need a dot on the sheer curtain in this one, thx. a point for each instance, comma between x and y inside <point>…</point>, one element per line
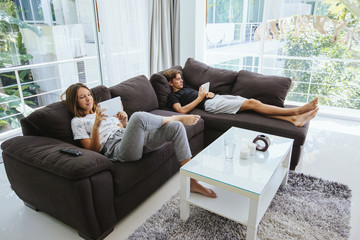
<point>164,34</point>
<point>123,39</point>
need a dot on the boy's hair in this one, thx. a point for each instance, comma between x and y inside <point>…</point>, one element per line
<point>171,74</point>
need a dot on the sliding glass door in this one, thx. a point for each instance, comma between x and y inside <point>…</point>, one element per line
<point>45,46</point>
<point>316,44</point>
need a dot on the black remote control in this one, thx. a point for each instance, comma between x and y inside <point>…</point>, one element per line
<point>71,151</point>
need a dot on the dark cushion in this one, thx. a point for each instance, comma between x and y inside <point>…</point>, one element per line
<point>136,94</point>
<point>126,175</point>
<point>161,86</point>
<point>53,120</point>
<point>253,121</point>
<point>197,73</point>
<point>43,153</point>
<point>267,89</point>
<point>100,93</point>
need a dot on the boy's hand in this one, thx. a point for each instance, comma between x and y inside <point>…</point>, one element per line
<point>210,95</point>
<point>202,93</point>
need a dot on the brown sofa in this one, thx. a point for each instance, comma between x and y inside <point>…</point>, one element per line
<point>268,89</point>
<point>89,193</point>
<point>92,193</point>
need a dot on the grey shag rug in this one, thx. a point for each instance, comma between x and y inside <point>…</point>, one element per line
<point>306,208</point>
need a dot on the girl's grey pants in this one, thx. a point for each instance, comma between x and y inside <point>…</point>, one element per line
<point>145,133</point>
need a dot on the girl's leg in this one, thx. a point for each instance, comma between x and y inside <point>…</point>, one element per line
<point>131,146</point>
<point>140,124</point>
<point>257,106</point>
<point>173,131</point>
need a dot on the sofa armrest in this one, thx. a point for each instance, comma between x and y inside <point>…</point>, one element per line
<point>44,153</point>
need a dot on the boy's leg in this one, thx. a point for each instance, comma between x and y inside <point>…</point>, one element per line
<point>257,106</point>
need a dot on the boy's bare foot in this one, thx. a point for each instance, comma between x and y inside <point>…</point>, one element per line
<point>302,119</point>
<point>309,106</point>
<point>187,119</point>
<point>198,188</point>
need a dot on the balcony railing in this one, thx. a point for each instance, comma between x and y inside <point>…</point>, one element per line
<point>339,90</point>
<point>49,81</point>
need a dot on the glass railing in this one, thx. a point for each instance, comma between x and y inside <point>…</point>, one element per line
<point>43,85</point>
<point>336,89</point>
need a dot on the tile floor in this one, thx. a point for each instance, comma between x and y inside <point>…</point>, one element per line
<point>331,152</point>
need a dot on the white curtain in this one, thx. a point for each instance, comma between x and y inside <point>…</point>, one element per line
<point>124,39</point>
<point>164,34</point>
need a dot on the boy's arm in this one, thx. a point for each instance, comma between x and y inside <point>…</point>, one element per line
<point>187,108</point>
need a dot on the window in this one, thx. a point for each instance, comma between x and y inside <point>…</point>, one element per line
<point>303,40</point>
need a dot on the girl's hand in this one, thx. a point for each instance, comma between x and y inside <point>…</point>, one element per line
<point>100,116</point>
<point>123,118</point>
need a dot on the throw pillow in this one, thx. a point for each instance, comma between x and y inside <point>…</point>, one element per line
<point>51,121</point>
<point>197,73</point>
<point>267,89</point>
<point>136,94</point>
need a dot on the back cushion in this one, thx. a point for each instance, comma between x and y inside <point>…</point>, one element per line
<point>136,94</point>
<point>162,87</point>
<point>267,89</point>
<point>196,73</point>
<point>53,120</point>
<point>100,93</point>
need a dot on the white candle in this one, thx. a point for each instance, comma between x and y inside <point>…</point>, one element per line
<point>244,153</point>
<point>252,148</point>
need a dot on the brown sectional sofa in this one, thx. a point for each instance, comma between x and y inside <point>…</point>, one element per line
<point>91,193</point>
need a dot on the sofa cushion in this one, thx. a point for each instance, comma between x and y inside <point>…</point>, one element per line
<point>136,94</point>
<point>197,73</point>
<point>267,89</point>
<point>127,174</point>
<point>51,121</point>
<point>253,121</point>
<point>101,93</point>
<point>161,86</point>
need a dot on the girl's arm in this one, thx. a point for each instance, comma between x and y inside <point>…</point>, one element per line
<point>93,143</point>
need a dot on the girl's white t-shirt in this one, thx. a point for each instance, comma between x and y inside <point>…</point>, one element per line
<point>82,127</point>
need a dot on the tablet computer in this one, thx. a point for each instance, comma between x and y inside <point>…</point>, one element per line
<point>206,86</point>
<point>113,106</point>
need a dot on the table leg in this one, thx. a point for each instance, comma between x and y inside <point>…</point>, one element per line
<point>286,164</point>
<point>184,196</point>
<point>252,220</point>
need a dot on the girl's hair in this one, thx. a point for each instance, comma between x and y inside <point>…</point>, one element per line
<point>171,74</point>
<point>71,99</point>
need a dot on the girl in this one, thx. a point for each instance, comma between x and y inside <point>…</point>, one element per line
<point>123,140</point>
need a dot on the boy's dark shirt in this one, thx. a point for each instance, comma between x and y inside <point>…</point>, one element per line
<point>185,96</point>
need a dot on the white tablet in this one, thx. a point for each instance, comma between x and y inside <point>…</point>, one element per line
<point>113,106</point>
<point>206,86</point>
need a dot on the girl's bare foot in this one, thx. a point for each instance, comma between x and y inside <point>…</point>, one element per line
<point>187,119</point>
<point>302,119</point>
<point>309,106</point>
<point>198,188</point>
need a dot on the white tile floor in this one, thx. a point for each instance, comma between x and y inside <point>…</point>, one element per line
<point>331,152</point>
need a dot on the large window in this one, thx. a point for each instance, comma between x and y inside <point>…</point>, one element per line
<point>314,43</point>
<point>45,46</point>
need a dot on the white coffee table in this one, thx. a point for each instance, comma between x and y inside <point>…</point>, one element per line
<point>245,188</point>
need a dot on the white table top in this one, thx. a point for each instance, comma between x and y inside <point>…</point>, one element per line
<point>251,174</point>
